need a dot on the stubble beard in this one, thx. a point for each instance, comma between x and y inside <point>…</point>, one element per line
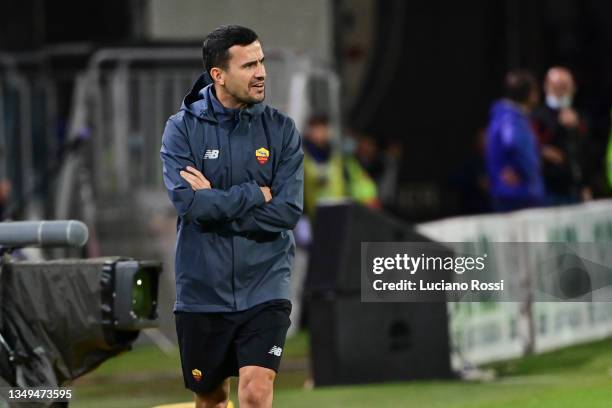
<point>252,101</point>
<point>247,100</point>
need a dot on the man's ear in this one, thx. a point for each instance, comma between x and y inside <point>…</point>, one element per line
<point>217,75</point>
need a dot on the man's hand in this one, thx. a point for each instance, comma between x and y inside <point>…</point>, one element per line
<point>569,118</point>
<point>510,177</point>
<point>553,155</point>
<point>195,178</point>
<point>267,193</point>
<point>586,194</point>
<point>5,190</point>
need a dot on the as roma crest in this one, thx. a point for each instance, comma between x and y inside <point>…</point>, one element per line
<point>197,374</point>
<point>262,155</point>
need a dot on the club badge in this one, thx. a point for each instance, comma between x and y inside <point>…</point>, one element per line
<point>197,374</point>
<point>262,155</point>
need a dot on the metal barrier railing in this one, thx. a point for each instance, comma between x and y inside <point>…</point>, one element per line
<point>15,128</point>
<point>31,125</point>
<point>126,96</point>
<point>119,106</point>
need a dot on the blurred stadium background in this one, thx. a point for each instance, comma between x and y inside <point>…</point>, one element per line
<point>86,88</point>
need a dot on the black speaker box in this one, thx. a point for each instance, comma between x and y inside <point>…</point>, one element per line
<point>338,232</point>
<point>354,342</point>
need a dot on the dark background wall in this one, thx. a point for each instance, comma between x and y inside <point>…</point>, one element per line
<point>31,24</point>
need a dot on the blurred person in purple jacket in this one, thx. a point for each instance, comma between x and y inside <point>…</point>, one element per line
<point>512,152</point>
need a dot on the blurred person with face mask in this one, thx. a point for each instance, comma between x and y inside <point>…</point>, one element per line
<point>329,172</point>
<point>562,133</point>
<point>512,152</point>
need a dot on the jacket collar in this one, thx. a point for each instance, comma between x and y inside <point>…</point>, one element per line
<point>199,104</point>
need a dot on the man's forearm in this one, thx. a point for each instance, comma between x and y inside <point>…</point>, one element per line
<point>225,205</point>
<point>271,217</point>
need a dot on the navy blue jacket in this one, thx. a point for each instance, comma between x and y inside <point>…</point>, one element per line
<point>233,249</point>
<point>512,143</point>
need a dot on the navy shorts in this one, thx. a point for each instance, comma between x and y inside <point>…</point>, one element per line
<point>214,346</point>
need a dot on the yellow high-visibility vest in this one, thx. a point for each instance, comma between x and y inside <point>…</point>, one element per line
<point>338,177</point>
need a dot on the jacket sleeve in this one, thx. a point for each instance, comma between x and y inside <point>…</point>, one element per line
<point>284,210</point>
<point>208,205</point>
<point>512,134</point>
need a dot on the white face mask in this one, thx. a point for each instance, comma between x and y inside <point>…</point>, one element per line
<point>555,102</point>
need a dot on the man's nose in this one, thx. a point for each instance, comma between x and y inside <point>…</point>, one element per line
<point>261,72</point>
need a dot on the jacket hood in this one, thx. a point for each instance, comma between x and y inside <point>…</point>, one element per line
<point>201,106</point>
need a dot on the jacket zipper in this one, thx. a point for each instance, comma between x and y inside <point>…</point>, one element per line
<point>237,129</point>
<point>229,142</point>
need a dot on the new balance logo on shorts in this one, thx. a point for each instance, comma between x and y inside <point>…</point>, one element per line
<point>211,154</point>
<point>277,351</point>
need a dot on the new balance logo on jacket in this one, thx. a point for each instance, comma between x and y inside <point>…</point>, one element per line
<point>275,350</point>
<point>211,154</point>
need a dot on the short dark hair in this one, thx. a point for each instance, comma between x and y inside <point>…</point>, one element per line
<point>215,50</point>
<point>519,84</point>
<point>318,119</point>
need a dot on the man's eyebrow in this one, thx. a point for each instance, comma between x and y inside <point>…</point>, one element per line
<point>248,63</point>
